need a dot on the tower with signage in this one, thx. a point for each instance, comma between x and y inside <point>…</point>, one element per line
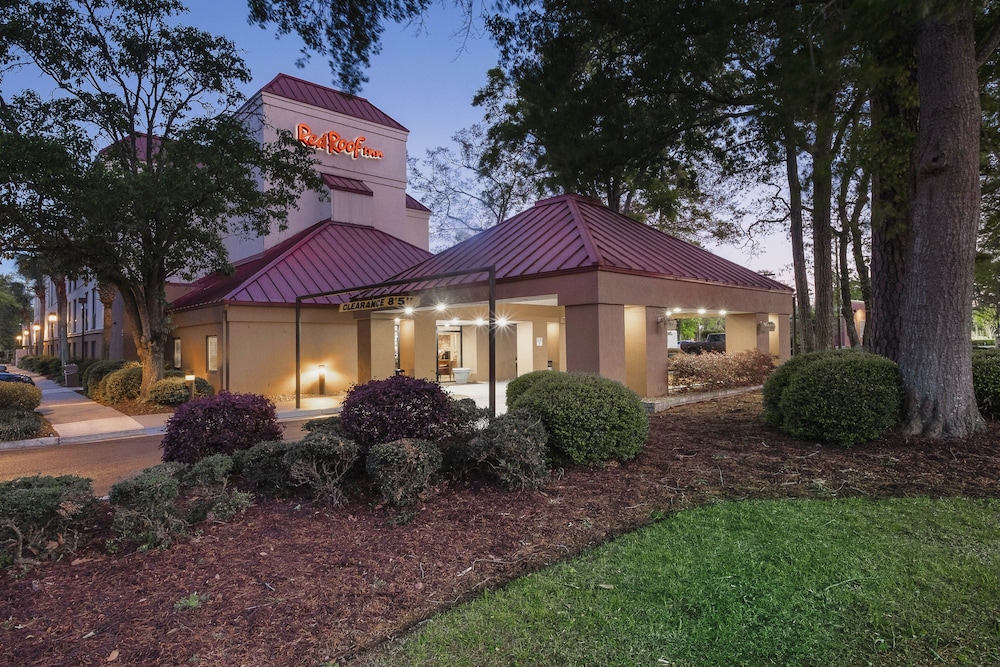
<point>361,154</point>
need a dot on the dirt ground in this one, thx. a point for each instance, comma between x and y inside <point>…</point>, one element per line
<point>291,583</point>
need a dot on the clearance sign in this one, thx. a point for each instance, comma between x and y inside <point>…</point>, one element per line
<point>379,302</point>
<point>334,144</point>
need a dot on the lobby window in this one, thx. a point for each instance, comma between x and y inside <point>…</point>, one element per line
<point>211,353</point>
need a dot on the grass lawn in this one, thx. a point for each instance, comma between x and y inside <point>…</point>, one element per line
<point>794,582</point>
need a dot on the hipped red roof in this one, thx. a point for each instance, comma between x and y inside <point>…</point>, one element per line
<point>315,95</point>
<point>572,233</point>
<point>328,256</point>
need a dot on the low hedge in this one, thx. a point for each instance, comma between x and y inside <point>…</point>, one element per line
<point>19,425</point>
<point>846,399</point>
<point>19,396</point>
<point>176,390</point>
<point>589,419</point>
<point>986,381</point>
<point>42,516</point>
<point>123,384</point>
<point>92,376</point>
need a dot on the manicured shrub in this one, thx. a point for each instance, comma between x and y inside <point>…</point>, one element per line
<point>319,463</point>
<point>710,371</point>
<point>146,510</point>
<point>19,396</point>
<point>847,399</point>
<point>397,407</point>
<point>29,362</point>
<point>209,474</point>
<point>176,390</point>
<point>91,378</point>
<point>43,365</point>
<point>511,449</point>
<point>39,516</point>
<point>329,427</point>
<point>220,424</point>
<point>263,467</point>
<point>19,425</point>
<point>986,381</point>
<point>123,384</point>
<point>777,382</point>
<point>403,469</point>
<point>590,419</point>
<point>522,383</point>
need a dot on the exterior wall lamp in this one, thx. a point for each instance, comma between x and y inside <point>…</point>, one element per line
<point>189,377</point>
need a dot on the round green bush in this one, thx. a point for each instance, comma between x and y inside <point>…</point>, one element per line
<point>521,384</point>
<point>777,382</point>
<point>96,372</point>
<point>19,396</point>
<point>263,467</point>
<point>176,390</point>
<point>589,418</point>
<point>320,461</point>
<point>986,381</point>
<point>403,469</point>
<point>512,450</point>
<point>847,399</point>
<point>122,385</point>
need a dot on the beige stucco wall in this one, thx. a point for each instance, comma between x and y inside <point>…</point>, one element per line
<point>256,348</point>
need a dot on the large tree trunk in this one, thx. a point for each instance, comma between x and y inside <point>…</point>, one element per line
<point>893,124</point>
<point>822,179</point>
<point>804,319</point>
<point>146,312</point>
<point>846,307</point>
<point>106,293</point>
<point>62,315</point>
<point>935,345</point>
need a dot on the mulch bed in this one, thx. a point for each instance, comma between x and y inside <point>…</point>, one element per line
<point>291,583</point>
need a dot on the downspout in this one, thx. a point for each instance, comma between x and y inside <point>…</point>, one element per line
<point>225,347</point>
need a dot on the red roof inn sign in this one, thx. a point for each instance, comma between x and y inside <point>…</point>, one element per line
<point>333,143</point>
<point>380,302</point>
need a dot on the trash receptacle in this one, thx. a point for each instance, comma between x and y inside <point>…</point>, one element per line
<point>71,375</point>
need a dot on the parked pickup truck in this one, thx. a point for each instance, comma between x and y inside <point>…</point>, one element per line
<point>714,342</point>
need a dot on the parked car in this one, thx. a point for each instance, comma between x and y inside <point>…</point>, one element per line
<point>714,342</point>
<point>15,377</point>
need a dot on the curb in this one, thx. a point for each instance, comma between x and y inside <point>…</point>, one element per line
<point>10,445</point>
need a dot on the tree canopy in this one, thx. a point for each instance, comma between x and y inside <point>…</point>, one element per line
<point>143,162</point>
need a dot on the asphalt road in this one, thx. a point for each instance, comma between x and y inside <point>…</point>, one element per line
<point>104,462</point>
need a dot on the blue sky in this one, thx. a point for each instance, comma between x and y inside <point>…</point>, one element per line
<point>424,78</point>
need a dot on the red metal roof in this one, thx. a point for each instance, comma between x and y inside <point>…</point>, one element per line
<point>307,92</point>
<point>415,205</point>
<point>345,184</point>
<point>572,233</point>
<point>326,257</point>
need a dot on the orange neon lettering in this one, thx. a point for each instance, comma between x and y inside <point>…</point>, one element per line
<point>332,142</point>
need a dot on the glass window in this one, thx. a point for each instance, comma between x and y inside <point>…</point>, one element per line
<point>177,353</point>
<point>212,353</point>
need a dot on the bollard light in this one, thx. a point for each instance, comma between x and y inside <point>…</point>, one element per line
<point>189,377</point>
<point>322,379</point>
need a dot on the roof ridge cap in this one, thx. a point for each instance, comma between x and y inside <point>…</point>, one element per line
<point>585,235</point>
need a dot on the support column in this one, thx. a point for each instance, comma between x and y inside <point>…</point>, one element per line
<point>595,340</point>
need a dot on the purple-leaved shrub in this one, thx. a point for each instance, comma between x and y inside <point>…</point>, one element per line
<point>397,407</point>
<point>220,424</point>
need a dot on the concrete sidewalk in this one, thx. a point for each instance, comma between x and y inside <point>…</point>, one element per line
<point>77,419</point>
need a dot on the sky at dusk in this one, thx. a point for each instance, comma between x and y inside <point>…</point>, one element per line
<point>424,78</point>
